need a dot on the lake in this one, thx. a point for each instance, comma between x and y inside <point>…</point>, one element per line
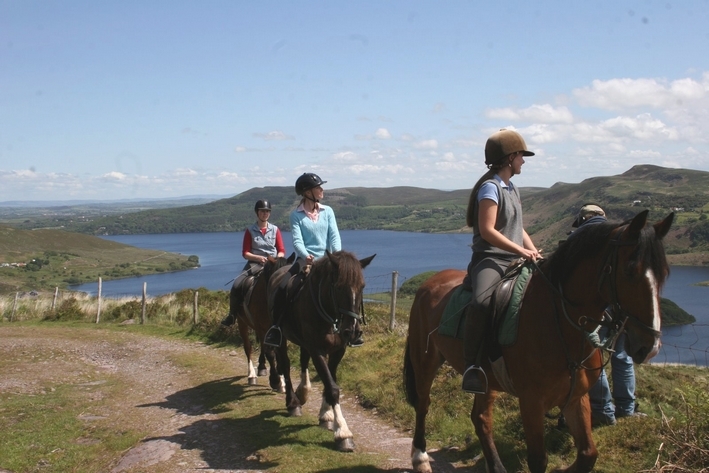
<point>406,253</point>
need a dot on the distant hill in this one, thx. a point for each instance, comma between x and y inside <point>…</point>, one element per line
<point>548,212</point>
<point>46,258</point>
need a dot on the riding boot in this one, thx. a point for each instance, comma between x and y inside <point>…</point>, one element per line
<point>474,378</point>
<point>274,336</point>
<point>236,298</point>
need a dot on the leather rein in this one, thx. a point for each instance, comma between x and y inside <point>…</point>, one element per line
<point>323,312</point>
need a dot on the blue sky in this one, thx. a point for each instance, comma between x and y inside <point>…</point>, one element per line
<point>150,99</point>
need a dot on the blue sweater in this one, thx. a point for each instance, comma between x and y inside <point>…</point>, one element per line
<point>313,238</point>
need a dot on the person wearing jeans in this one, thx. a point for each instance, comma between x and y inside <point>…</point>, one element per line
<point>603,411</point>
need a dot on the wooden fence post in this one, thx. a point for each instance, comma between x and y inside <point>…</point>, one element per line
<point>54,301</point>
<point>394,285</point>
<point>145,299</point>
<point>14,306</point>
<point>195,308</point>
<point>98,312</point>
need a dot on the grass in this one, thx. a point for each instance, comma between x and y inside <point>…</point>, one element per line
<point>672,436</point>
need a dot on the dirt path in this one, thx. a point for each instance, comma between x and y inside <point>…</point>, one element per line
<point>187,434</point>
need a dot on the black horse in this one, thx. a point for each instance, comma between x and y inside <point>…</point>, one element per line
<point>323,318</point>
<point>252,313</point>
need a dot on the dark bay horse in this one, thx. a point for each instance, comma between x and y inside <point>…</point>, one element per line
<point>553,362</point>
<point>322,319</point>
<point>253,314</point>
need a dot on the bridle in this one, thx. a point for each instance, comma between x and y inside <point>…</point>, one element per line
<point>324,313</point>
<point>615,317</point>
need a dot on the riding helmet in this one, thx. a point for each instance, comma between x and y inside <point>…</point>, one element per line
<point>307,181</point>
<point>262,205</point>
<point>503,143</point>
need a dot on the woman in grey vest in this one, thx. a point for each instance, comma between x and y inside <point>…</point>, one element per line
<point>495,213</point>
<point>261,240</point>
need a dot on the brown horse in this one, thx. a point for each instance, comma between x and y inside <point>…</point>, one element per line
<point>554,361</point>
<point>253,314</point>
<point>322,319</point>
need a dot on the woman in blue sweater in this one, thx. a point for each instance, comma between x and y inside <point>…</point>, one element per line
<point>314,230</point>
<point>313,225</point>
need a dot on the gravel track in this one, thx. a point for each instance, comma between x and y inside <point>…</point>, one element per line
<point>186,434</point>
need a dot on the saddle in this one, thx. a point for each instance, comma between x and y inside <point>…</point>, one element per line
<point>505,304</point>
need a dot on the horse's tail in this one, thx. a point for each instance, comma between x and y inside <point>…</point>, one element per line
<point>410,377</point>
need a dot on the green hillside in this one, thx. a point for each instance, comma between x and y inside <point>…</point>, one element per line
<point>46,258</point>
<point>548,212</point>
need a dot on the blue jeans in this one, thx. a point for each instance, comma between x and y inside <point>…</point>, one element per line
<point>623,374</point>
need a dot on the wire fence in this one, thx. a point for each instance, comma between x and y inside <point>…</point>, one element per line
<point>684,345</point>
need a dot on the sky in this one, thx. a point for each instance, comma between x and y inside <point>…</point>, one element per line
<point>133,99</point>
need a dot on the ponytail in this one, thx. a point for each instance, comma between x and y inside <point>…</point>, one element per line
<point>470,215</point>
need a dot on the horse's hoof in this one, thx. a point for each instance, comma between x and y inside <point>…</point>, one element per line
<point>327,424</point>
<point>253,381</point>
<point>263,372</point>
<point>295,412</point>
<point>345,445</point>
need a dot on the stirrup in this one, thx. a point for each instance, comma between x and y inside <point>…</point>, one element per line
<point>273,337</point>
<point>475,380</point>
<point>228,321</point>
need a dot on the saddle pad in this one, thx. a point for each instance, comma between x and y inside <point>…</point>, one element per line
<point>507,334</point>
<point>452,319</point>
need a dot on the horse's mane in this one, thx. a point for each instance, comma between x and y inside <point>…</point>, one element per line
<point>588,241</point>
<point>270,267</point>
<point>342,268</point>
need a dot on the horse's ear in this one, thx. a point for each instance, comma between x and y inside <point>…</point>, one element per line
<point>661,228</point>
<point>365,262</point>
<point>331,258</point>
<point>291,258</point>
<point>637,224</point>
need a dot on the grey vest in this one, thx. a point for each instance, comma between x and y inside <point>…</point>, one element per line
<point>263,245</point>
<point>509,222</point>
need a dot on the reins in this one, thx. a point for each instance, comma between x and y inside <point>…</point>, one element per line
<point>615,317</point>
<point>323,312</point>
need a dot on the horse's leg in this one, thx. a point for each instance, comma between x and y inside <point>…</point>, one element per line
<point>419,378</point>
<point>275,379</point>
<point>532,412</point>
<point>304,387</point>
<point>262,371</point>
<point>481,415</point>
<point>326,416</point>
<point>292,404</point>
<point>578,418</point>
<point>331,393</point>
<point>244,332</point>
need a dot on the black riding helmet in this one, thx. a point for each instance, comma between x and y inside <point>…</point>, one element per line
<point>307,181</point>
<point>262,205</point>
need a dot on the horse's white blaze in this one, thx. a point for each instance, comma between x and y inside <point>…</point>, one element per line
<point>341,429</point>
<point>326,412</point>
<point>252,371</point>
<point>656,317</point>
<point>420,461</point>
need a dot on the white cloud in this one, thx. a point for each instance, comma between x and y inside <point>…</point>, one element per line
<point>544,113</point>
<point>114,176</point>
<point>427,144</point>
<point>382,134</point>
<point>619,94</point>
<point>274,136</point>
